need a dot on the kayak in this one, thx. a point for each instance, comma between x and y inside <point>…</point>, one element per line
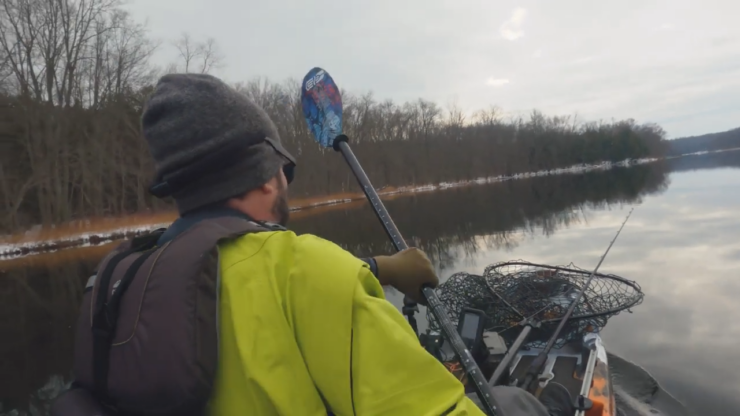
<point>520,304</point>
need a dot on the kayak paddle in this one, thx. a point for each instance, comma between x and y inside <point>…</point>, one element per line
<point>322,108</point>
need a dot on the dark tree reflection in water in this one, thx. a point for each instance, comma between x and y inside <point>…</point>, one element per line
<point>460,221</point>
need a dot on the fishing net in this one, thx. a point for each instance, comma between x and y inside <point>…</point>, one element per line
<point>511,292</point>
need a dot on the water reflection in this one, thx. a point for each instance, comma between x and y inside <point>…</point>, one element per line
<point>460,222</point>
<point>680,245</point>
<point>39,304</point>
<point>682,248</point>
<point>686,255</point>
<point>728,159</point>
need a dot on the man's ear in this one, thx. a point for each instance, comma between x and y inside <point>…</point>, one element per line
<point>270,187</point>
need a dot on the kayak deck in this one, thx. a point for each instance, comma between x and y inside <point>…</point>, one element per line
<point>573,366</point>
<point>581,367</point>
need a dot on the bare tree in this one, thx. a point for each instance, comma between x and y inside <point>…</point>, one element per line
<point>45,42</point>
<point>488,117</point>
<point>210,56</point>
<point>118,59</point>
<point>187,49</point>
<point>455,121</point>
<point>59,59</point>
<point>200,57</point>
<point>68,52</point>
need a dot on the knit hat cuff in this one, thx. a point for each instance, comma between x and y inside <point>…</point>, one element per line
<point>233,181</point>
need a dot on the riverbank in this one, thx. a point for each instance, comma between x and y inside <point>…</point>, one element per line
<point>99,231</point>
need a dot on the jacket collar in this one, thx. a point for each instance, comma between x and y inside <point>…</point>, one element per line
<point>190,219</point>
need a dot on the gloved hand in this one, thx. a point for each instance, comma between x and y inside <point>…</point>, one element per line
<point>407,271</point>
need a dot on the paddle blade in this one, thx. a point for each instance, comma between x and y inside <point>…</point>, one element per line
<point>322,106</point>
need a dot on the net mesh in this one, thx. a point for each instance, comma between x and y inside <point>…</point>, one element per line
<point>510,292</point>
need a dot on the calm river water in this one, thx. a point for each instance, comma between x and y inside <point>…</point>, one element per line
<point>681,245</point>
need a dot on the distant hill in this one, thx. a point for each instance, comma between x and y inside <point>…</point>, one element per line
<point>714,141</point>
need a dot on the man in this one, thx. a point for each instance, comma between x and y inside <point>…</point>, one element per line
<point>303,326</point>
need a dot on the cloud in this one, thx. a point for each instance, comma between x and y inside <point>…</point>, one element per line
<point>665,26</point>
<point>584,60</point>
<point>686,78</point>
<point>512,28</point>
<point>496,82</point>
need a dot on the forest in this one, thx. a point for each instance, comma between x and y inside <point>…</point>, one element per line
<point>707,142</point>
<point>75,75</point>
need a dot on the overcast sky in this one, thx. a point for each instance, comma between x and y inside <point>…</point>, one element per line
<point>673,62</point>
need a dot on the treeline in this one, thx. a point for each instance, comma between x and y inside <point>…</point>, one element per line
<point>708,142</point>
<point>76,73</point>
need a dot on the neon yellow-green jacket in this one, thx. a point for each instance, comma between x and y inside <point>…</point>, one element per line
<point>305,329</point>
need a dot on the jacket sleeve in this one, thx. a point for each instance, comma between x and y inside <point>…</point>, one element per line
<point>392,374</point>
<point>372,264</point>
<point>362,355</point>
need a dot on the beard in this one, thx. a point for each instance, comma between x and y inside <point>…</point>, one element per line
<point>280,207</point>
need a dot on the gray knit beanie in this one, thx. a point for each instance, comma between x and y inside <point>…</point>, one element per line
<point>209,142</point>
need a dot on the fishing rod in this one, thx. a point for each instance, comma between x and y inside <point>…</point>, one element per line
<point>322,108</point>
<point>539,362</point>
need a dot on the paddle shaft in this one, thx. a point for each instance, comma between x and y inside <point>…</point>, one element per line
<point>539,362</point>
<point>435,305</point>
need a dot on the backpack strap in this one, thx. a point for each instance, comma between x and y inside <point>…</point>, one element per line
<point>104,307</point>
<point>105,312</point>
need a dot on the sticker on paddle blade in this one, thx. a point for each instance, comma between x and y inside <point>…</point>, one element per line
<point>322,106</point>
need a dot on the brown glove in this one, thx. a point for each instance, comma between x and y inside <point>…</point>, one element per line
<point>407,271</point>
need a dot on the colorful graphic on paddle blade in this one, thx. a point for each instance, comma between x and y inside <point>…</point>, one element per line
<point>322,106</point>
